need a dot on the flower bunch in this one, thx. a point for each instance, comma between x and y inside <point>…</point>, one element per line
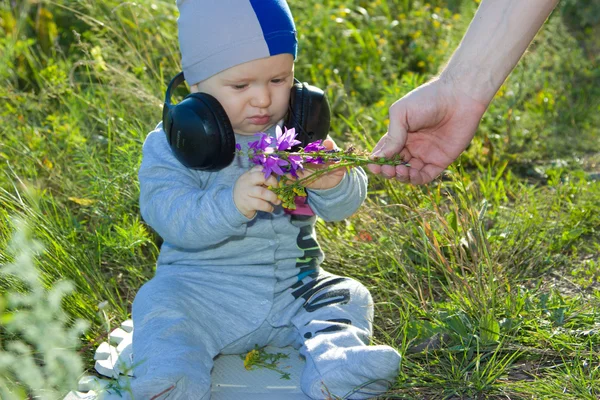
<point>276,157</point>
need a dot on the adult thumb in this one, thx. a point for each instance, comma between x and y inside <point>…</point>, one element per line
<point>394,140</point>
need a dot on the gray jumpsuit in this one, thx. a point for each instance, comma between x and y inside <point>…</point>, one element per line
<point>225,283</point>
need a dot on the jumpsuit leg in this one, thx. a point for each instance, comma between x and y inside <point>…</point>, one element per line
<point>173,353</point>
<point>335,327</point>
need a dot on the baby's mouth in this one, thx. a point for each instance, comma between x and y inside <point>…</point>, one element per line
<point>260,119</point>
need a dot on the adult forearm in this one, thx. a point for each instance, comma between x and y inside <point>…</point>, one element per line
<point>495,41</point>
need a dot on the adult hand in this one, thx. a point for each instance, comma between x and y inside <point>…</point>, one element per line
<point>327,180</point>
<point>250,193</point>
<point>429,128</point>
<point>434,123</point>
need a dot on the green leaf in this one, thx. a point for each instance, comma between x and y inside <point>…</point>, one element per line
<point>489,329</point>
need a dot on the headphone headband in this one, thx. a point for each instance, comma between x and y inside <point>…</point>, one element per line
<point>176,81</point>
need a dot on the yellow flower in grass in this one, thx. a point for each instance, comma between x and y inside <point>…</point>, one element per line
<point>500,91</point>
<point>251,359</point>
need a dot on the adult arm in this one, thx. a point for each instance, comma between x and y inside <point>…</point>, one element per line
<point>433,124</point>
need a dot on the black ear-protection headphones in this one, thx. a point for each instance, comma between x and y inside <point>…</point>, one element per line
<point>200,133</point>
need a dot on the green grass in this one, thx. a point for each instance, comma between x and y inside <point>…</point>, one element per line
<point>486,280</point>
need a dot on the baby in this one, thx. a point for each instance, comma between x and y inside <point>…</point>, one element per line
<point>235,270</point>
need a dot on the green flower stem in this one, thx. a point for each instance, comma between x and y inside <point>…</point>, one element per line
<point>289,188</point>
<point>342,160</point>
<point>358,160</point>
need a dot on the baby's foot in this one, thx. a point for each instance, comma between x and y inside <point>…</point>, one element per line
<point>358,372</point>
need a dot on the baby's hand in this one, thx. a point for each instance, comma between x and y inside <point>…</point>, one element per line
<point>325,181</point>
<point>250,193</point>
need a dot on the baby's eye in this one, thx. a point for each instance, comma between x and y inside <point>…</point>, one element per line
<point>277,80</point>
<point>240,86</point>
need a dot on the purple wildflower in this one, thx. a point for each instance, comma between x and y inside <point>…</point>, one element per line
<point>262,143</point>
<point>314,147</point>
<point>285,140</point>
<point>295,164</point>
<point>258,158</point>
<point>238,147</point>
<point>314,160</point>
<point>273,164</point>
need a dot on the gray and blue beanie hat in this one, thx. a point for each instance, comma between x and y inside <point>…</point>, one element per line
<point>218,34</point>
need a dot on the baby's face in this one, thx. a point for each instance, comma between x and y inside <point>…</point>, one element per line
<point>256,94</point>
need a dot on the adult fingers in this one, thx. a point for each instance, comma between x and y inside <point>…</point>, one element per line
<point>425,175</point>
<point>403,174</point>
<point>418,173</point>
<point>388,171</point>
<point>374,168</point>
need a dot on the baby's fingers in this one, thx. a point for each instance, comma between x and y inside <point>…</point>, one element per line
<point>256,176</point>
<point>262,193</point>
<point>329,144</point>
<point>271,181</point>
<point>257,204</point>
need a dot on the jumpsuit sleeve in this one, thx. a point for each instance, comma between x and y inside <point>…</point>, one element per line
<point>342,200</point>
<point>181,204</point>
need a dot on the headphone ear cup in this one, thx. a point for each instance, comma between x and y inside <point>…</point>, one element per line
<point>295,117</point>
<point>226,152</point>
<point>199,132</point>
<point>167,121</point>
<point>309,113</point>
